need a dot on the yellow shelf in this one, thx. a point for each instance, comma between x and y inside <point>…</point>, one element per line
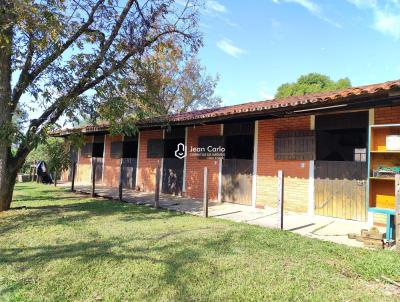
<point>382,187</point>
<point>382,178</point>
<point>385,151</point>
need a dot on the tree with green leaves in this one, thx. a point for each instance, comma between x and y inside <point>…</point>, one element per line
<point>55,152</point>
<point>168,80</point>
<point>311,83</point>
<point>176,82</point>
<point>60,51</point>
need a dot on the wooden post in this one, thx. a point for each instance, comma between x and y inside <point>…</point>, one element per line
<point>120,182</point>
<point>34,173</point>
<point>37,175</point>
<point>397,216</point>
<point>205,193</point>
<point>94,162</point>
<point>73,176</point>
<point>157,189</point>
<point>280,200</point>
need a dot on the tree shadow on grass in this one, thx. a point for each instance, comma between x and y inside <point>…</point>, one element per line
<point>90,250</point>
<point>42,188</point>
<point>23,198</point>
<point>176,258</point>
<point>63,208</point>
<point>47,215</point>
<point>176,250</point>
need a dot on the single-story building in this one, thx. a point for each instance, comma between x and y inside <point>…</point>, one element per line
<point>320,141</point>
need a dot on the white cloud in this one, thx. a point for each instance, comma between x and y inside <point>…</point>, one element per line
<point>215,6</point>
<point>386,15</point>
<point>313,8</point>
<point>204,25</point>
<point>217,10</point>
<point>231,23</point>
<point>363,3</point>
<point>228,47</point>
<point>264,92</point>
<point>307,4</point>
<point>212,7</point>
<point>184,2</point>
<point>388,23</point>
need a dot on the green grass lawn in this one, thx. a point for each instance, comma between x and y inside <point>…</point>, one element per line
<point>65,247</point>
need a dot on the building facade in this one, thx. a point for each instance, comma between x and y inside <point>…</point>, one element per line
<point>320,142</point>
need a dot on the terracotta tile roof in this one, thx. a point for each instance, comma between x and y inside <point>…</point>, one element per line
<point>288,102</point>
<point>326,98</point>
<point>100,127</point>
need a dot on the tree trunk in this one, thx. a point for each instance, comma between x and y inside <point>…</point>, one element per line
<point>6,191</point>
<point>8,171</point>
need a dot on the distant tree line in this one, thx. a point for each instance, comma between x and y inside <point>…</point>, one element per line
<point>311,83</point>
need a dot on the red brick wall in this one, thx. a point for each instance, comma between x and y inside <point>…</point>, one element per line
<point>111,165</point>
<point>267,165</point>
<point>147,166</point>
<point>296,172</point>
<point>195,166</point>
<point>387,115</point>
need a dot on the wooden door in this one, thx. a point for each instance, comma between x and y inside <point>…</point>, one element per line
<point>237,180</point>
<point>98,164</point>
<point>129,173</point>
<point>340,189</point>
<point>172,176</point>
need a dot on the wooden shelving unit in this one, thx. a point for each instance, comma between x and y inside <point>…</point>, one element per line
<point>381,178</point>
<point>381,189</point>
<point>386,152</point>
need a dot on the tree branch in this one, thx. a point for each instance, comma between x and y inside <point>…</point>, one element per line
<point>27,65</point>
<point>106,46</point>
<point>101,36</point>
<point>55,110</point>
<point>26,78</point>
<point>121,63</point>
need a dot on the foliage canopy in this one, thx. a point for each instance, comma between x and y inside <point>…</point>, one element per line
<point>311,83</point>
<point>59,52</point>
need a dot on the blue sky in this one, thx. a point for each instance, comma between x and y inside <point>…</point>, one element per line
<point>257,45</point>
